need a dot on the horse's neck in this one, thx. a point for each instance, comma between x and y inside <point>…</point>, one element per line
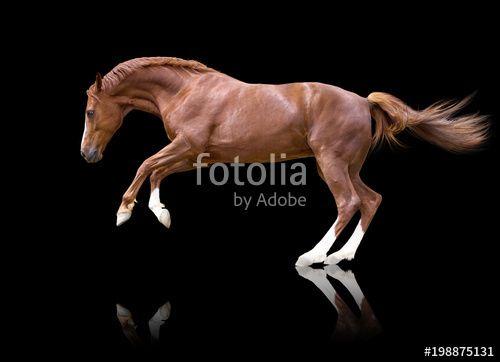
<point>151,90</point>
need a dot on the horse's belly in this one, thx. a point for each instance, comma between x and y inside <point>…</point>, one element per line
<point>255,140</point>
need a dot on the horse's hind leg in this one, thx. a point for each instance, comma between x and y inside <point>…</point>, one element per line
<point>370,201</point>
<point>156,178</point>
<point>336,174</point>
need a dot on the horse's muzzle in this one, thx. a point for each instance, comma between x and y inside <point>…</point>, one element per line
<point>91,156</point>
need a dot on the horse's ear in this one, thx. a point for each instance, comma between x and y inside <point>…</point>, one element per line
<point>98,82</point>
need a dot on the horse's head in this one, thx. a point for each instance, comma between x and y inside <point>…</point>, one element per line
<point>103,117</point>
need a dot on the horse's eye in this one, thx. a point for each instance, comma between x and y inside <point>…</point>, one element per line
<point>90,113</point>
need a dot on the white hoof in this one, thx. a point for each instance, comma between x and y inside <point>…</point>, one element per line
<point>337,257</point>
<point>164,218</point>
<point>162,214</point>
<point>158,208</point>
<point>310,258</point>
<point>122,217</point>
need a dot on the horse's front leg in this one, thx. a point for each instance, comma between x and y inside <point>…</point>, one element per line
<point>157,176</point>
<point>177,150</point>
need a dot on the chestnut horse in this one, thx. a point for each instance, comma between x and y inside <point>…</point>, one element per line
<point>205,111</point>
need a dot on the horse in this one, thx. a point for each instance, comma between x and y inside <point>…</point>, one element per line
<point>206,111</point>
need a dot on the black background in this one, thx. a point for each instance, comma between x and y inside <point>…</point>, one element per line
<point>427,265</point>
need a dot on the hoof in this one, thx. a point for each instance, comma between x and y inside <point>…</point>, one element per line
<point>333,259</point>
<point>336,258</point>
<point>122,217</point>
<point>309,259</point>
<point>164,218</point>
<point>162,214</point>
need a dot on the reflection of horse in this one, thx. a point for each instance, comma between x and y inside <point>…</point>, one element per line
<point>204,110</point>
<point>349,328</point>
<point>129,325</point>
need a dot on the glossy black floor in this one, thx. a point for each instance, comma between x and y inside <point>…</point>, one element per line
<point>426,270</point>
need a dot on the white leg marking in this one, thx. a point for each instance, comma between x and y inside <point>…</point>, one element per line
<point>318,253</point>
<point>349,249</point>
<point>122,217</point>
<point>318,277</point>
<point>156,321</point>
<point>349,327</point>
<point>158,208</point>
<point>348,279</point>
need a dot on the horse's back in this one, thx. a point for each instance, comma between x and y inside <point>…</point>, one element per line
<point>232,118</point>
